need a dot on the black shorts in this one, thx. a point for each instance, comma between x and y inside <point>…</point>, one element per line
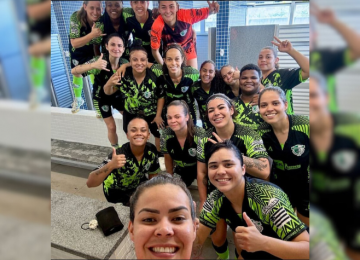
<point>188,174</point>
<point>103,106</point>
<point>119,196</point>
<point>76,60</point>
<point>127,117</point>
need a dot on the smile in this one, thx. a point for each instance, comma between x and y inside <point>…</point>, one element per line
<point>218,119</point>
<point>164,249</point>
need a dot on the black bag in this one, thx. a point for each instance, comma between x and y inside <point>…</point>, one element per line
<point>109,221</point>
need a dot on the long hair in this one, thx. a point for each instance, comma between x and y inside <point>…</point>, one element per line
<point>108,26</point>
<point>217,84</point>
<point>82,15</point>
<point>180,49</point>
<point>190,123</point>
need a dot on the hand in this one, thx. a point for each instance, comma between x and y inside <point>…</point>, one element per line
<point>214,7</point>
<point>101,64</point>
<point>114,80</point>
<point>326,16</point>
<point>217,138</point>
<point>159,122</point>
<point>283,46</point>
<point>254,100</point>
<point>96,32</point>
<point>249,238</point>
<point>117,161</point>
<point>121,71</point>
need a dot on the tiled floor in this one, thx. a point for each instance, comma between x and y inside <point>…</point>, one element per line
<point>73,180</point>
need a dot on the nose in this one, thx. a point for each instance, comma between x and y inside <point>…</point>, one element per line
<point>164,228</point>
<point>220,170</point>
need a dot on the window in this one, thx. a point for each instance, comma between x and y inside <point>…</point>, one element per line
<point>210,22</point>
<point>277,14</point>
<point>301,14</point>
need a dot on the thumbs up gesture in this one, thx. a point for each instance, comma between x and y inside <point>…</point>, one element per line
<point>118,160</point>
<point>249,238</point>
<point>96,32</point>
<point>101,64</point>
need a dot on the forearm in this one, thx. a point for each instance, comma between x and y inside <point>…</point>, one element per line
<point>351,37</point>
<point>286,249</point>
<point>259,168</point>
<point>157,56</point>
<point>201,235</point>
<point>160,105</point>
<point>202,185</point>
<point>80,69</point>
<point>302,61</point>
<point>39,11</point>
<point>82,41</point>
<point>169,164</point>
<point>98,176</point>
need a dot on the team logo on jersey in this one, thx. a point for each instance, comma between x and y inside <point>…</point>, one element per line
<point>172,151</point>
<point>266,210</point>
<point>147,166</point>
<point>298,149</point>
<point>255,109</point>
<point>105,108</point>
<point>257,225</point>
<point>184,89</point>
<point>192,152</point>
<point>344,160</point>
<point>280,218</point>
<point>75,62</point>
<point>183,33</point>
<point>106,77</point>
<point>147,94</point>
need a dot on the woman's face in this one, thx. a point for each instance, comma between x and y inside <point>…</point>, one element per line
<point>167,10</point>
<point>115,46</point>
<point>93,10</point>
<point>163,227</point>
<point>138,61</point>
<point>139,7</point>
<point>267,60</point>
<point>207,73</point>
<point>173,61</point>
<point>227,73</point>
<point>219,113</point>
<point>138,132</point>
<point>225,171</point>
<point>176,118</point>
<point>114,9</point>
<point>272,108</point>
<point>249,82</point>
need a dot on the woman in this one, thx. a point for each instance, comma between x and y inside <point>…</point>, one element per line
<point>177,142</point>
<point>210,83</point>
<point>128,166</point>
<point>84,22</point>
<point>175,26</point>
<point>286,138</point>
<point>286,79</point>
<point>142,96</point>
<point>103,69</point>
<point>162,219</point>
<point>258,212</point>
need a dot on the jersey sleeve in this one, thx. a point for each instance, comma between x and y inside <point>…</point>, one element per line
<point>193,15</point>
<point>127,12</point>
<point>157,69</point>
<point>191,73</point>
<point>291,78</point>
<point>200,140</point>
<point>163,140</point>
<point>210,213</point>
<point>156,31</point>
<point>330,61</point>
<point>254,144</point>
<point>123,61</point>
<point>75,26</point>
<point>155,166</point>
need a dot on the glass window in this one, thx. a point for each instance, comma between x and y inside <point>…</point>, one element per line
<point>270,14</point>
<point>197,27</point>
<point>301,14</point>
<point>210,22</point>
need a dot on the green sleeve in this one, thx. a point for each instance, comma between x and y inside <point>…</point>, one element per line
<point>95,71</point>
<point>200,140</point>
<point>209,215</point>
<point>75,26</point>
<point>254,144</point>
<point>165,135</point>
<point>157,69</point>
<point>155,166</point>
<point>127,12</point>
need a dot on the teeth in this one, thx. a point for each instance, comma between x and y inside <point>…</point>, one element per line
<point>163,249</point>
<point>217,119</point>
<point>270,114</point>
<point>223,179</point>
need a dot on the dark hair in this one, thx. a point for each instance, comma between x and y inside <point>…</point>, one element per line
<point>160,179</point>
<point>138,117</point>
<point>226,65</point>
<point>107,39</point>
<point>217,84</point>
<point>190,123</point>
<point>274,51</point>
<point>251,67</point>
<point>227,144</point>
<point>137,46</point>
<point>81,14</point>
<point>228,102</point>
<point>320,79</point>
<point>182,52</point>
<point>278,90</point>
<point>108,26</point>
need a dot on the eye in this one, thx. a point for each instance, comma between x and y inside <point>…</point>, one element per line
<point>210,110</point>
<point>148,220</point>
<point>263,105</point>
<point>143,130</point>
<point>179,219</point>
<point>228,165</point>
<point>213,166</point>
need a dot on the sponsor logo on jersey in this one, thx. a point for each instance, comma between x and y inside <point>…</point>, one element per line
<point>298,149</point>
<point>183,33</point>
<point>105,108</point>
<point>192,152</point>
<point>280,218</point>
<point>255,109</point>
<point>258,225</point>
<point>184,89</point>
<point>270,149</point>
<point>344,160</point>
<point>75,62</point>
<point>272,203</point>
<point>147,94</point>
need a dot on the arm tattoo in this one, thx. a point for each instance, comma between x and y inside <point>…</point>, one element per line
<point>254,163</point>
<point>101,170</point>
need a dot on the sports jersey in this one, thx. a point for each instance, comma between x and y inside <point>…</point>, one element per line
<point>286,79</point>
<point>140,32</point>
<point>328,62</point>
<point>181,34</point>
<point>141,99</point>
<point>291,163</point>
<point>184,158</point>
<point>38,29</point>
<point>85,53</point>
<point>265,204</point>
<point>335,178</point>
<point>181,91</point>
<point>132,173</point>
<point>247,115</point>
<point>202,96</point>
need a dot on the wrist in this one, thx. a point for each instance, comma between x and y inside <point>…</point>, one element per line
<point>264,246</point>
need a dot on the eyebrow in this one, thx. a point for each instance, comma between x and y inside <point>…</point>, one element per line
<point>177,209</point>
<point>224,161</point>
<point>158,212</point>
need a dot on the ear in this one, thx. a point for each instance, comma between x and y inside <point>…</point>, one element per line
<point>84,6</point>
<point>106,46</point>
<point>243,168</point>
<point>286,105</point>
<point>187,117</point>
<point>277,60</point>
<point>131,230</point>
<point>232,111</point>
<point>127,135</point>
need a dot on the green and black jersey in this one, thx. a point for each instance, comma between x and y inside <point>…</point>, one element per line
<point>181,91</point>
<point>328,62</point>
<point>141,99</point>
<point>132,173</point>
<point>291,170</point>
<point>85,53</point>
<point>267,206</point>
<point>247,115</point>
<point>335,178</point>
<point>202,96</point>
<point>286,79</point>
<point>183,157</point>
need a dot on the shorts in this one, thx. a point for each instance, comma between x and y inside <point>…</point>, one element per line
<point>127,117</point>
<point>190,51</point>
<point>78,59</point>
<point>187,174</point>
<point>119,196</point>
<point>103,106</point>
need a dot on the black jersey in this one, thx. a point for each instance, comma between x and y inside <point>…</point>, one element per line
<point>181,91</point>
<point>202,96</point>
<point>328,62</point>
<point>291,162</point>
<point>141,99</point>
<point>184,158</point>
<point>247,115</point>
<point>133,172</point>
<point>286,79</point>
<point>335,178</point>
<point>266,205</point>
